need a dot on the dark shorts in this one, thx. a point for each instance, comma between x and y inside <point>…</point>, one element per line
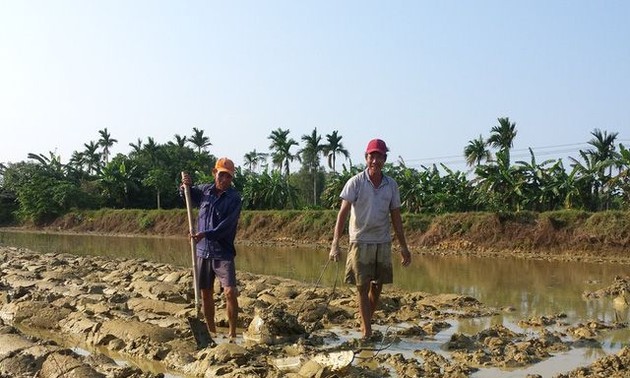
<point>209,269</point>
<point>369,263</point>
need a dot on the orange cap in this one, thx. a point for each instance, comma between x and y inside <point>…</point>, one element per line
<point>224,165</point>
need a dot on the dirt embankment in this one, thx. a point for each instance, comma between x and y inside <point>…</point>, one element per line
<point>567,235</point>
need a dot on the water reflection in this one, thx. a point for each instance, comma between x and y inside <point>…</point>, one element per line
<point>531,287</point>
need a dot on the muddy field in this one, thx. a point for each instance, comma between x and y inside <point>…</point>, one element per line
<point>71,316</point>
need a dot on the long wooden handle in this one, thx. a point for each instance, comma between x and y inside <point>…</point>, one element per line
<point>191,230</point>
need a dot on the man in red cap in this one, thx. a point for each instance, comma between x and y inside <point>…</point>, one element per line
<point>370,198</point>
<point>219,210</point>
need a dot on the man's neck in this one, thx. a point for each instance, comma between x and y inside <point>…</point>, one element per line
<point>218,191</point>
<point>375,177</point>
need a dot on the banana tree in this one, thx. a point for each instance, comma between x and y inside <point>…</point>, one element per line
<point>537,195</point>
<point>622,180</point>
<point>498,185</point>
<point>118,181</point>
<point>589,180</point>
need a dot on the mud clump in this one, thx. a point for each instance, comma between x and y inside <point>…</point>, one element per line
<point>614,366</point>
<point>80,316</point>
<point>620,288</point>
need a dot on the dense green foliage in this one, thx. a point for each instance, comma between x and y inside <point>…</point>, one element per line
<point>44,188</point>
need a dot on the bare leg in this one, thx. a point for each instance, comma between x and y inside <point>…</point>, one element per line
<point>368,296</point>
<point>374,295</point>
<point>231,294</point>
<point>207,299</point>
<point>365,310</point>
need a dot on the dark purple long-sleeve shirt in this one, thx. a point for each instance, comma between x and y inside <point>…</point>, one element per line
<point>218,220</point>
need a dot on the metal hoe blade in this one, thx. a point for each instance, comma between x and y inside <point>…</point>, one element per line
<point>200,332</point>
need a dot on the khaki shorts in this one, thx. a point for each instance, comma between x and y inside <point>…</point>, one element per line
<point>369,262</point>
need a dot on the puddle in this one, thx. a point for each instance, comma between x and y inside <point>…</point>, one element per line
<point>562,362</point>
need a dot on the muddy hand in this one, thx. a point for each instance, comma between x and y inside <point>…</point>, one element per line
<point>405,256</point>
<point>334,253</point>
<point>197,237</point>
<point>186,180</point>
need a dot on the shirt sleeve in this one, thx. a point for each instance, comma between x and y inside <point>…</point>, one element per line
<point>350,191</point>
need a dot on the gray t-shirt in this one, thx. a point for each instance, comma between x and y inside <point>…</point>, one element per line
<point>370,212</point>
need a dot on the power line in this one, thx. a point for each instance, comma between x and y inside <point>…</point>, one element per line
<point>555,146</point>
<point>514,150</point>
<point>585,144</point>
<point>558,149</point>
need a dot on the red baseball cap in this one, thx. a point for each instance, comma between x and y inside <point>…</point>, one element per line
<point>376,145</point>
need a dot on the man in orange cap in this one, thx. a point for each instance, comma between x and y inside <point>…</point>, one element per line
<point>219,210</point>
<point>370,198</point>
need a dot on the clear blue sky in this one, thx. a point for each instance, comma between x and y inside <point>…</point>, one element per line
<point>425,76</point>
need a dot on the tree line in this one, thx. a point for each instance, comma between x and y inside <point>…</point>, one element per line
<point>43,187</point>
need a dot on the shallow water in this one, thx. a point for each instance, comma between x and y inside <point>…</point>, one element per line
<point>531,287</point>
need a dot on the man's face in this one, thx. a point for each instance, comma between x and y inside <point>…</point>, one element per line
<point>375,161</point>
<point>222,180</point>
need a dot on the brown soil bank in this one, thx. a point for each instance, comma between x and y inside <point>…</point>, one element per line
<point>562,234</point>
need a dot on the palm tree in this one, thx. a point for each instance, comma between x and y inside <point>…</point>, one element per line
<point>281,147</point>
<point>310,156</point>
<point>136,147</point>
<point>476,151</point>
<point>199,140</point>
<point>92,157</point>
<point>502,136</point>
<point>77,161</point>
<point>333,148</point>
<point>313,147</point>
<point>180,141</point>
<point>106,142</point>
<point>253,159</point>
<point>604,144</point>
<point>151,149</point>
<point>605,154</point>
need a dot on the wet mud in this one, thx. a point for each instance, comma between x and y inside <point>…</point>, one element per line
<point>63,315</point>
